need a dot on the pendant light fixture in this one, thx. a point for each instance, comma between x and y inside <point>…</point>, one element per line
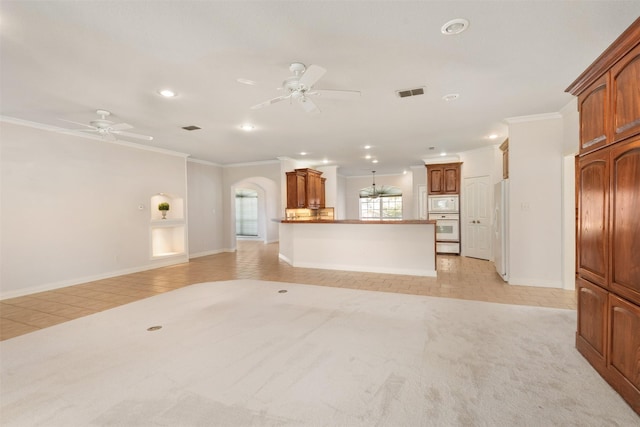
<point>374,193</point>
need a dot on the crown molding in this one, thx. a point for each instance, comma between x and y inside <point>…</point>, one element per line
<point>533,118</point>
<point>64,131</point>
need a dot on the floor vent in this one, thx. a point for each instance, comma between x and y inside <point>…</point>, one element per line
<point>410,92</point>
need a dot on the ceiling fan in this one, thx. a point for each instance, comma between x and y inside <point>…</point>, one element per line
<point>106,128</point>
<point>299,88</point>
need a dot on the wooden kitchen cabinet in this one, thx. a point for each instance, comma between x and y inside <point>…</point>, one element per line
<point>443,178</point>
<point>504,147</point>
<point>608,215</point>
<point>305,189</point>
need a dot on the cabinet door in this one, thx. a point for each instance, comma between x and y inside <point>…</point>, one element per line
<point>624,345</point>
<point>593,104</point>
<point>435,178</point>
<point>313,189</point>
<point>625,93</point>
<point>451,182</point>
<point>625,220</point>
<point>301,191</point>
<point>323,200</point>
<point>591,337</point>
<point>592,228</point>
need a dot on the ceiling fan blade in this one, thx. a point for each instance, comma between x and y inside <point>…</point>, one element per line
<point>308,105</point>
<point>78,123</point>
<point>132,135</point>
<point>336,94</point>
<point>121,126</point>
<point>269,102</point>
<point>312,75</point>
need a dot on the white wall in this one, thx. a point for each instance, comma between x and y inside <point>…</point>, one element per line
<point>71,208</point>
<point>570,147</point>
<point>535,200</point>
<point>205,208</point>
<point>418,178</point>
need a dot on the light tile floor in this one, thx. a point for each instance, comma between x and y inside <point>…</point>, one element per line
<point>458,277</point>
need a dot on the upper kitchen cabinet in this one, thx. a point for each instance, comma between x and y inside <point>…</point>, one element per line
<point>443,178</point>
<point>504,147</point>
<point>305,189</point>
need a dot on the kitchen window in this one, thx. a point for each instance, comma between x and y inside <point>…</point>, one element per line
<point>381,208</point>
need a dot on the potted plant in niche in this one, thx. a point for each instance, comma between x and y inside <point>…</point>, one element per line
<point>163,207</point>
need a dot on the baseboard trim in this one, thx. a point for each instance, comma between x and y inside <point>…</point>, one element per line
<point>86,279</point>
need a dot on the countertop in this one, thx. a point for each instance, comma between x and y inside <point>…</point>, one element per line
<point>356,221</point>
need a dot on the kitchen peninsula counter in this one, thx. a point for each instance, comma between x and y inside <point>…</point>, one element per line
<point>393,247</point>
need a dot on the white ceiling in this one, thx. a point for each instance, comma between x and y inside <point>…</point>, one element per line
<point>64,60</point>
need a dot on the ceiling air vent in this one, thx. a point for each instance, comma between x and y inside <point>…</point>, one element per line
<point>192,127</point>
<point>410,92</point>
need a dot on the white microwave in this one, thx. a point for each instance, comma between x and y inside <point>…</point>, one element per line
<point>437,204</point>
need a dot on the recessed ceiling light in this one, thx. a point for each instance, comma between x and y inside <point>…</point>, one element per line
<point>374,161</point>
<point>451,96</point>
<point>492,136</point>
<point>366,147</point>
<point>167,93</point>
<point>455,26</point>
<point>247,127</point>
<point>303,153</point>
<point>325,161</point>
<point>443,154</point>
<point>368,156</point>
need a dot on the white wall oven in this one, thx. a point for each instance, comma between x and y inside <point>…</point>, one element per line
<point>447,232</point>
<point>445,211</point>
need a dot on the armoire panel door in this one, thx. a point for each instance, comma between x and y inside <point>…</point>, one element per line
<point>594,115</point>
<point>591,336</point>
<point>592,228</point>
<point>624,233</point>
<point>624,349</point>
<point>625,94</point>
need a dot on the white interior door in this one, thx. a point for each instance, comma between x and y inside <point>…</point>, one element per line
<point>476,217</point>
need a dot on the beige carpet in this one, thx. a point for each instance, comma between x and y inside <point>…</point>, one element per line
<point>240,353</point>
